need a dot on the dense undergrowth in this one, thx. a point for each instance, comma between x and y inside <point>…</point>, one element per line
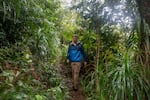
<point>28,50</point>
<point>31,46</point>
<point>121,73</point>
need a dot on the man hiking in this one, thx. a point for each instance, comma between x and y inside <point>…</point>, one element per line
<point>76,55</point>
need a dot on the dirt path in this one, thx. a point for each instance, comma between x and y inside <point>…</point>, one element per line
<point>65,72</point>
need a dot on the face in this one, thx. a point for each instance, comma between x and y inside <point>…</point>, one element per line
<point>75,39</point>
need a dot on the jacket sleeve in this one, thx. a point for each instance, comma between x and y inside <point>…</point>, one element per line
<point>68,52</point>
<point>83,53</point>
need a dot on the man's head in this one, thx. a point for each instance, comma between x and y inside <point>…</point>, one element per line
<point>75,38</point>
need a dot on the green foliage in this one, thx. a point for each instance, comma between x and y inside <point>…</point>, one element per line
<point>30,32</point>
<point>29,89</point>
<point>29,35</point>
<point>88,86</point>
<point>119,75</point>
<point>69,25</point>
<point>57,93</point>
<point>126,81</point>
<point>142,54</point>
<point>110,37</point>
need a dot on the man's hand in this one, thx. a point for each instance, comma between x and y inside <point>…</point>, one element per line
<point>68,61</point>
<point>85,63</point>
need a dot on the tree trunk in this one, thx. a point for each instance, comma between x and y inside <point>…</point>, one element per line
<point>144,9</point>
<point>97,61</point>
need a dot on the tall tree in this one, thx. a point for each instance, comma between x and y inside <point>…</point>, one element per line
<point>144,33</point>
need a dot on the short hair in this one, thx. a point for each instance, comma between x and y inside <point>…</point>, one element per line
<point>75,35</point>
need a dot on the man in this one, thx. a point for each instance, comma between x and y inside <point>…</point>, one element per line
<point>76,55</point>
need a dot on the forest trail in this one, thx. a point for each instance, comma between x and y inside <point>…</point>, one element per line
<point>65,72</point>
